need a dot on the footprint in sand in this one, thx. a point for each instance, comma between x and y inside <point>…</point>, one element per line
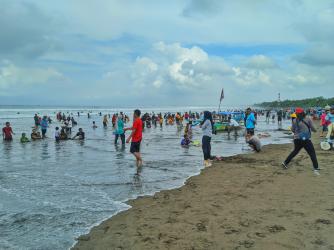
<point>276,229</point>
<point>323,221</point>
<point>247,243</point>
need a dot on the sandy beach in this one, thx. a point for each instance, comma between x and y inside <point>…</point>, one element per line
<point>243,202</point>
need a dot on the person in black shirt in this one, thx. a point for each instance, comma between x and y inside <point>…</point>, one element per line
<point>80,135</point>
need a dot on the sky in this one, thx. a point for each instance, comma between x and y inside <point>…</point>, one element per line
<point>141,53</point>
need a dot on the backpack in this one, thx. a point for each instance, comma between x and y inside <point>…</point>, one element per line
<point>305,135</point>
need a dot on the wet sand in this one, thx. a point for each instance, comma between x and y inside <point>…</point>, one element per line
<point>243,202</point>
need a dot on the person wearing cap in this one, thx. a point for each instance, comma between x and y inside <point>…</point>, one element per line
<point>302,127</point>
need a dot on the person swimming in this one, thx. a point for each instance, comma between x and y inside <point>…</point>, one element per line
<point>80,135</point>
<point>185,142</point>
<point>24,138</point>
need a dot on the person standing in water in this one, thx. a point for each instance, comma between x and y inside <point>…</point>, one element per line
<point>119,131</point>
<point>207,128</point>
<point>44,125</point>
<point>136,137</point>
<point>105,121</point>
<point>301,128</point>
<point>7,132</point>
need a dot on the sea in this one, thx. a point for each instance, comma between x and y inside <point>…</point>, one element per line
<point>51,193</point>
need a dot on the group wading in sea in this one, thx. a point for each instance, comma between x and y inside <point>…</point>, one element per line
<point>209,122</point>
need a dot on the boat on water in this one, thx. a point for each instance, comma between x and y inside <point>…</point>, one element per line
<point>221,123</point>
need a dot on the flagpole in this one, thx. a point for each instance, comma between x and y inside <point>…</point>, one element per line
<point>221,98</point>
<point>219,105</point>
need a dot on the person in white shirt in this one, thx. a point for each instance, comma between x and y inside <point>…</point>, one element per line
<point>232,125</point>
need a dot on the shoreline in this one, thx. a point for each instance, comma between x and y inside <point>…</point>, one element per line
<point>226,207</point>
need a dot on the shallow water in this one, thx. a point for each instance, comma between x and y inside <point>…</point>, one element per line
<point>50,192</point>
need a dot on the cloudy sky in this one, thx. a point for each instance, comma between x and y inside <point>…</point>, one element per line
<point>157,52</point>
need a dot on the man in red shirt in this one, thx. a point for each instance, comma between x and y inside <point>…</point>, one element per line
<point>136,136</point>
<point>7,132</point>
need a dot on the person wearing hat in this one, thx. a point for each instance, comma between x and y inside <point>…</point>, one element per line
<point>302,127</point>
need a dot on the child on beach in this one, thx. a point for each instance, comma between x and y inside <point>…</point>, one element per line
<point>24,138</point>
<point>136,137</point>
<point>207,128</point>
<point>7,132</point>
<point>94,125</point>
<point>57,134</point>
<point>185,141</point>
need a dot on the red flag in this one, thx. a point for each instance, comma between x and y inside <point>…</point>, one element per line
<point>222,95</point>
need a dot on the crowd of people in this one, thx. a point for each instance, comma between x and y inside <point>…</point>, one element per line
<point>301,127</point>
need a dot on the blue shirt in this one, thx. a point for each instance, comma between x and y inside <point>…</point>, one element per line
<point>250,121</point>
<point>120,127</point>
<point>44,124</point>
<point>330,118</point>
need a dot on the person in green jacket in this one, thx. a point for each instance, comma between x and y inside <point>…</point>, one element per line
<point>24,138</point>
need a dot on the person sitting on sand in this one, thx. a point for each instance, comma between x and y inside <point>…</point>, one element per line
<point>24,138</point>
<point>254,142</point>
<point>35,134</point>
<point>80,135</point>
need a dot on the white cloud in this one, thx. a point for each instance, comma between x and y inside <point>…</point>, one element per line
<point>261,62</point>
<point>13,76</point>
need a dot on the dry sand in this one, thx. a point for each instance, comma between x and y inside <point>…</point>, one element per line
<point>245,201</point>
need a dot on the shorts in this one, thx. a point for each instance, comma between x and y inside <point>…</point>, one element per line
<point>250,131</point>
<point>135,147</point>
<point>324,128</point>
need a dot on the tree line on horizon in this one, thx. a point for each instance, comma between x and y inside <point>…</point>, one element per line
<point>304,103</point>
